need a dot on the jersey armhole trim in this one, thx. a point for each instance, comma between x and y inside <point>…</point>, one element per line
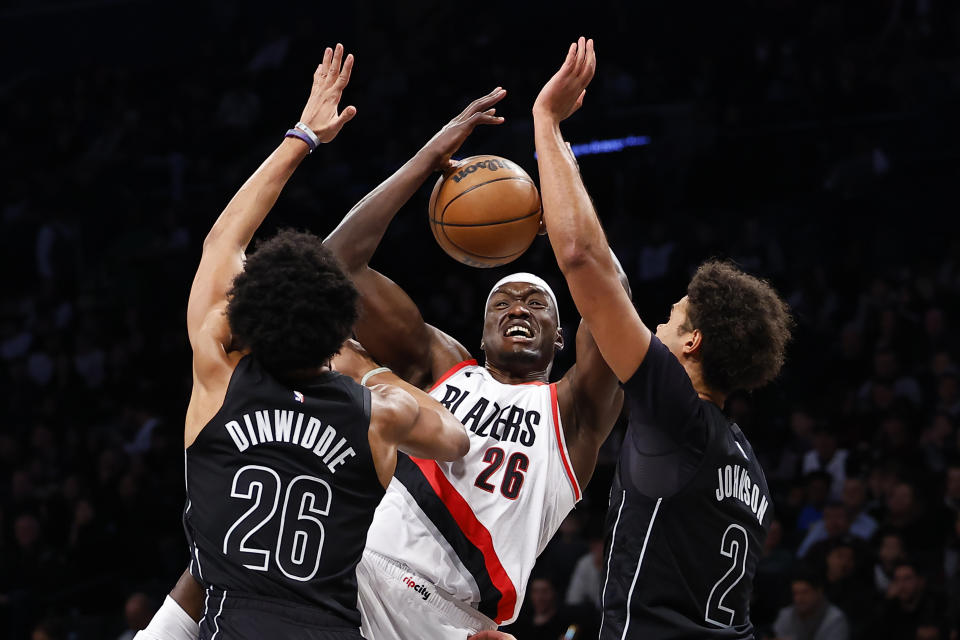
<point>466,363</point>
<point>562,445</point>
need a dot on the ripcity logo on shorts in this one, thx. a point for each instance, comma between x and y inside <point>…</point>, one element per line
<point>419,588</point>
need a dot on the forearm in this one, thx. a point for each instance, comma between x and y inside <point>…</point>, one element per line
<point>358,235</point>
<point>437,434</point>
<point>246,210</point>
<point>572,225</point>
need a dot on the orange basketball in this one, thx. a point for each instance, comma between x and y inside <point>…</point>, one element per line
<point>486,212</point>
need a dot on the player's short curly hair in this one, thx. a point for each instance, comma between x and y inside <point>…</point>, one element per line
<point>292,305</point>
<point>745,325</point>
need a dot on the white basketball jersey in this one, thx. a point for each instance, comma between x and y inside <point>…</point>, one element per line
<point>475,527</point>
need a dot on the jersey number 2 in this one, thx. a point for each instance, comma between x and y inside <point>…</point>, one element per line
<point>512,477</point>
<point>734,546</point>
<point>300,537</point>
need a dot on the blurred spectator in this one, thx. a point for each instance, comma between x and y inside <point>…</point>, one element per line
<point>834,525</point>
<point>810,615</point>
<point>772,580</point>
<point>826,456</point>
<point>137,612</point>
<point>816,493</point>
<point>584,585</point>
<point>907,517</point>
<point>848,589</point>
<point>889,555</point>
<point>908,602</point>
<point>545,620</point>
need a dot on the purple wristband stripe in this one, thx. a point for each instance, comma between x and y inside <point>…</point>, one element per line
<point>296,133</point>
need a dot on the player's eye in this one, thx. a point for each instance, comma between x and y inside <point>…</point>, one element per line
<point>537,303</point>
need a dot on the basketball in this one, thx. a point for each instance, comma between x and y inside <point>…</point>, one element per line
<point>486,212</point>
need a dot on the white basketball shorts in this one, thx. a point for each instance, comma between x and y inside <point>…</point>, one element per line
<point>398,604</point>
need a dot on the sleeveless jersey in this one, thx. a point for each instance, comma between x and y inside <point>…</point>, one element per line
<point>475,527</point>
<point>281,488</point>
<point>686,525</point>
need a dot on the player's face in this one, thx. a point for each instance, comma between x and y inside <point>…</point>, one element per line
<point>673,332</point>
<point>520,326</point>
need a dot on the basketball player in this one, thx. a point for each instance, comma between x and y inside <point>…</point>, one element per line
<point>452,544</point>
<point>286,459</point>
<point>689,506</point>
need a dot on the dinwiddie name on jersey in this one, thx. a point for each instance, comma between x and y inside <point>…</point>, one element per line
<point>288,427</point>
<point>733,481</point>
<point>486,418</point>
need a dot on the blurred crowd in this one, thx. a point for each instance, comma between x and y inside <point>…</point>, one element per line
<point>811,142</point>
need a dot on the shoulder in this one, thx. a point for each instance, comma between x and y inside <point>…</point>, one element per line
<point>445,352</point>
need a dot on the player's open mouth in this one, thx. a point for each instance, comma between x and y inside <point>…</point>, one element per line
<point>519,332</point>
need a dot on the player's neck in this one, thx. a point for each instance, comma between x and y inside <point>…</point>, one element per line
<point>705,392</point>
<point>512,377</point>
<point>307,374</point>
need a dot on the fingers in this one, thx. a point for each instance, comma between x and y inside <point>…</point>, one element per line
<point>579,102</point>
<point>344,76</point>
<point>581,56</point>
<point>487,101</point>
<point>346,116</point>
<point>571,57</point>
<point>325,65</point>
<point>591,63</point>
<point>485,117</point>
<point>337,58</point>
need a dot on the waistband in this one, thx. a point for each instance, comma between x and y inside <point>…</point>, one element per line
<point>218,601</point>
<point>456,611</point>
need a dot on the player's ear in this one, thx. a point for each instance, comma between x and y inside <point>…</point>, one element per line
<point>694,341</point>
<point>558,344</point>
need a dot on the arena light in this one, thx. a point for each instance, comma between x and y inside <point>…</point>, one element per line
<point>610,145</point>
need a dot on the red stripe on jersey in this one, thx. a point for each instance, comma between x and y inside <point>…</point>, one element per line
<point>561,444</point>
<point>474,530</point>
<point>453,370</point>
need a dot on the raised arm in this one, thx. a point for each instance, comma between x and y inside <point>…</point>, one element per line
<point>595,396</point>
<point>224,246</point>
<point>390,325</point>
<point>576,235</point>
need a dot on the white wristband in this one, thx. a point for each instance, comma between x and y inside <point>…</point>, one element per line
<point>371,373</point>
<point>307,130</point>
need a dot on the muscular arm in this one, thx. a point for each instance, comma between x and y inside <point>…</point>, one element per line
<point>224,246</point>
<point>592,399</point>
<point>576,235</point>
<point>390,325</point>
<point>405,418</point>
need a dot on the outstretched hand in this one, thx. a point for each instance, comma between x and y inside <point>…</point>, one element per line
<point>450,138</point>
<point>329,81</point>
<point>563,94</point>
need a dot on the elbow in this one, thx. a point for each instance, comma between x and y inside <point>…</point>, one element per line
<point>574,257</point>
<point>458,443</point>
<point>212,237</point>
<point>463,442</point>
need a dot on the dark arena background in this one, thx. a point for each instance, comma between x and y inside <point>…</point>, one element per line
<point>814,142</point>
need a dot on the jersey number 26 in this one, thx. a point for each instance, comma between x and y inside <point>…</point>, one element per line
<point>300,538</point>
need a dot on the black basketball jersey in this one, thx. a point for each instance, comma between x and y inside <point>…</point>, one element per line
<point>281,489</point>
<point>688,516</point>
